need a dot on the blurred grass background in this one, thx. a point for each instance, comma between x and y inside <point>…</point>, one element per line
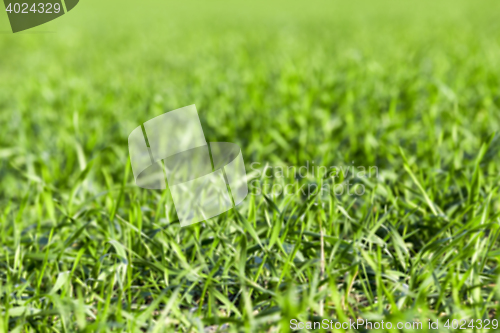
<point>409,87</point>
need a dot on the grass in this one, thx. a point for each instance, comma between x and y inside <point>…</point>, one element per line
<point>411,88</point>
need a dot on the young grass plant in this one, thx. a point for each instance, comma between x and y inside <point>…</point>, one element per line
<point>391,85</point>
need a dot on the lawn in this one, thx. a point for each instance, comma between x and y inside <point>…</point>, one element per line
<point>406,90</point>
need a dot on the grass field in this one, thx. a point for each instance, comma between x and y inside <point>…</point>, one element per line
<point>411,88</point>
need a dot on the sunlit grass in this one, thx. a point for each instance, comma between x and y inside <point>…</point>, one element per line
<point>410,89</point>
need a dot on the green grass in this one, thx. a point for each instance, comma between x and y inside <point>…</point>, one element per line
<point>412,88</point>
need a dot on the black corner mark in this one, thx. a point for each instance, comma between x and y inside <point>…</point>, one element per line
<point>70,4</point>
<point>26,14</point>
